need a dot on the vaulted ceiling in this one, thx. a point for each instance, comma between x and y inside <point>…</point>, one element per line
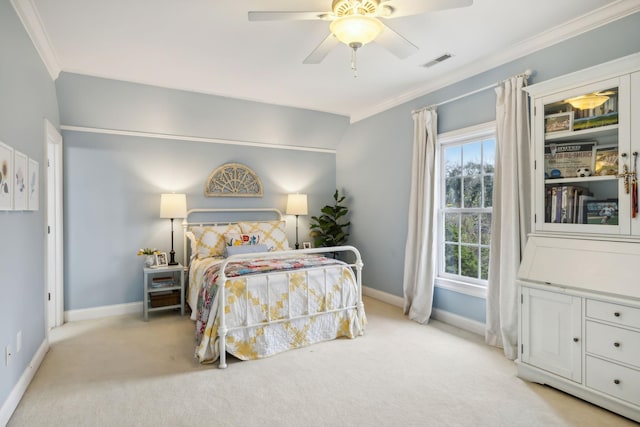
<point>210,46</point>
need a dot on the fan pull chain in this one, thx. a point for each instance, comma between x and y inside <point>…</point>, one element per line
<point>354,63</point>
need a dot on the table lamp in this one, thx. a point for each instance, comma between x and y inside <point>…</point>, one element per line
<point>173,206</point>
<point>297,205</point>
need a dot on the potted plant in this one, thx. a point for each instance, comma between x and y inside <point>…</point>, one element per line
<point>149,254</point>
<point>329,229</point>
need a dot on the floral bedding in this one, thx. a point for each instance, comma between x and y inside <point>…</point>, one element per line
<point>296,303</point>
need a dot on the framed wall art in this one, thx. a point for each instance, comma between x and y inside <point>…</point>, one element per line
<point>33,192</point>
<point>19,181</point>
<point>6,174</point>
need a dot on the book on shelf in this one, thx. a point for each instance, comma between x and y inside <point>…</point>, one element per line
<point>562,203</point>
<point>162,282</point>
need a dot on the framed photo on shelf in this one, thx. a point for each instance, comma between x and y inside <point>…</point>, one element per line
<point>6,175</point>
<point>161,259</point>
<point>559,122</point>
<point>605,160</point>
<point>306,245</point>
<point>604,212</point>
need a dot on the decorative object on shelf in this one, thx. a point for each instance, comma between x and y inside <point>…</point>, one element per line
<point>233,180</point>
<point>297,205</point>
<point>6,172</point>
<point>20,185</point>
<point>564,160</point>
<point>326,229</point>
<point>583,172</point>
<point>559,122</point>
<point>150,256</point>
<point>605,160</point>
<point>161,260</point>
<point>173,206</point>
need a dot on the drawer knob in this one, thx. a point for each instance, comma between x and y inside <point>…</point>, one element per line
<point>617,314</point>
<point>576,339</point>
<point>616,344</point>
<point>616,381</point>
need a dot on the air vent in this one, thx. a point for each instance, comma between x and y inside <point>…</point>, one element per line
<point>437,60</point>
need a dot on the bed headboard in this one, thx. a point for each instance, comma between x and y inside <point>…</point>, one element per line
<point>223,216</point>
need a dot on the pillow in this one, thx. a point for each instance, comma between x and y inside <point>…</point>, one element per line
<point>245,249</point>
<point>237,239</point>
<point>210,240</point>
<point>275,236</point>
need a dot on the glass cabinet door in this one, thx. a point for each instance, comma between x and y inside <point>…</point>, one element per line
<point>582,155</point>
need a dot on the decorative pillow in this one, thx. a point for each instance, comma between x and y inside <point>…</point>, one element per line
<point>236,239</point>
<point>245,249</point>
<point>210,240</point>
<point>275,236</point>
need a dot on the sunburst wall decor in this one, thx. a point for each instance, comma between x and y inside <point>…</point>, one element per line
<point>233,180</point>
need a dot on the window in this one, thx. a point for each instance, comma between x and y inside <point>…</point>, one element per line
<point>467,168</point>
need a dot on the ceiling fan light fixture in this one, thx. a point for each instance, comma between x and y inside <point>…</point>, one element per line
<point>587,102</point>
<point>356,29</point>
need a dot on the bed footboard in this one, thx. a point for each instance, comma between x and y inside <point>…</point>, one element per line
<point>324,309</point>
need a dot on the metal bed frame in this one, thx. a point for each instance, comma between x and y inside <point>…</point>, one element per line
<point>223,329</point>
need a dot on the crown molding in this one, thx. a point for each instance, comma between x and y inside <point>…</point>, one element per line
<point>28,14</point>
<point>560,33</point>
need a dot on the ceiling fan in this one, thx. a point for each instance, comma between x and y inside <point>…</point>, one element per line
<point>357,22</point>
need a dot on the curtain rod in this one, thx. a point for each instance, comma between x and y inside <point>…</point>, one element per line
<point>526,74</point>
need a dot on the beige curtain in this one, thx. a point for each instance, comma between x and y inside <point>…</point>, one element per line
<point>421,247</point>
<point>510,222</point>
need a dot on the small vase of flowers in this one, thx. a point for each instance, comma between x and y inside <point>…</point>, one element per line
<point>149,256</point>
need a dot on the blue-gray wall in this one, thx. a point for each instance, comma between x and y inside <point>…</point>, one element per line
<point>27,96</point>
<point>112,183</point>
<point>374,157</point>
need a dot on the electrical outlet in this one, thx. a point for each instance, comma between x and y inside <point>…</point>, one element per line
<point>7,352</point>
<point>19,342</point>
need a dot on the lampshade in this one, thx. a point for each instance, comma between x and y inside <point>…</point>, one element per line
<point>297,204</point>
<point>587,102</point>
<point>356,29</point>
<point>173,205</point>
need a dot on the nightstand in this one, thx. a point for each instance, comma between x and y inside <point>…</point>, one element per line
<point>163,289</point>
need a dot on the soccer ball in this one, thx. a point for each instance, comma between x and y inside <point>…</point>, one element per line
<point>582,172</point>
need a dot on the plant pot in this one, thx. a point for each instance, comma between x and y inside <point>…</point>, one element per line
<point>149,260</point>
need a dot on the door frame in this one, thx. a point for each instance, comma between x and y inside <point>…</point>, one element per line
<point>54,248</point>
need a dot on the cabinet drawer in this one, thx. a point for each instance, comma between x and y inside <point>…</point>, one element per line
<point>614,313</point>
<point>612,379</point>
<point>614,343</point>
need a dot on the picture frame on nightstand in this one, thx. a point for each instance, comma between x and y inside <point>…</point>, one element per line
<point>161,259</point>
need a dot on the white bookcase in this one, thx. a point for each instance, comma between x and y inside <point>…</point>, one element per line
<point>579,280</point>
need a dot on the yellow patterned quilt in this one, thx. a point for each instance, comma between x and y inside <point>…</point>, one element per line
<point>307,299</point>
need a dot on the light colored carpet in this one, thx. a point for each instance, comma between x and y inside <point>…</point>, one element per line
<point>124,372</point>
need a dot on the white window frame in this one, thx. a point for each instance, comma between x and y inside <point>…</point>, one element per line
<point>472,287</point>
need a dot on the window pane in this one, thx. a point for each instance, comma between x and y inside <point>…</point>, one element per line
<point>485,228</point>
<point>472,158</point>
<point>452,227</point>
<point>489,155</point>
<point>473,192</point>
<point>484,265</point>
<point>469,261</point>
<point>470,228</point>
<point>453,194</point>
<point>451,258</point>
<point>488,191</point>
<point>452,162</point>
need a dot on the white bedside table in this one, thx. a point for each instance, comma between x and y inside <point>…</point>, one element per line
<point>163,283</point>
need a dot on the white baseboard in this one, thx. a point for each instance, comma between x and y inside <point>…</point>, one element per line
<point>458,321</point>
<point>437,314</point>
<point>104,311</point>
<point>18,391</point>
<point>383,296</point>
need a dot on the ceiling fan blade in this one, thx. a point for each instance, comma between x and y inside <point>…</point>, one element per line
<point>395,43</point>
<point>398,8</point>
<point>286,16</point>
<point>322,50</point>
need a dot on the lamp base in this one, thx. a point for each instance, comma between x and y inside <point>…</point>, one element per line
<point>172,258</point>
